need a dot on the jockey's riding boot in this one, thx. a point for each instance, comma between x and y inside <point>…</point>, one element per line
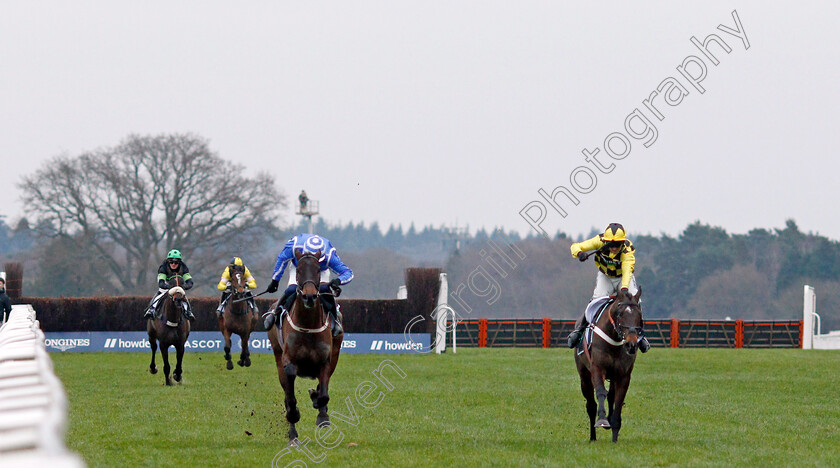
<point>577,333</point>
<point>150,312</point>
<point>270,317</point>
<point>188,312</point>
<point>337,329</point>
<point>644,344</point>
<point>221,309</point>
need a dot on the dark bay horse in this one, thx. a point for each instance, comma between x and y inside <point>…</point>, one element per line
<point>238,317</point>
<point>612,354</point>
<point>170,329</point>
<point>307,348</point>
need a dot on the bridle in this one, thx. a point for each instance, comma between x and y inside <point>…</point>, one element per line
<point>317,295</point>
<point>624,331</point>
<point>177,298</point>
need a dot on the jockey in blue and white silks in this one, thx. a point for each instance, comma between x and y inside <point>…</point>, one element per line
<point>329,261</point>
<point>311,243</point>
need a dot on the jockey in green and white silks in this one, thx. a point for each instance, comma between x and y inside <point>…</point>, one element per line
<point>616,259</point>
<point>172,266</point>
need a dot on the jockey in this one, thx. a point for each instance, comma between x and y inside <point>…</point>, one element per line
<point>309,243</point>
<point>224,285</point>
<point>173,265</point>
<point>616,260</point>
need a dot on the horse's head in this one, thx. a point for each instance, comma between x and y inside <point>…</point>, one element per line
<point>308,277</point>
<point>176,290</point>
<point>237,279</point>
<point>626,317</point>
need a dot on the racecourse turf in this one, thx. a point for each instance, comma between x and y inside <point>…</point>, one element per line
<point>479,407</point>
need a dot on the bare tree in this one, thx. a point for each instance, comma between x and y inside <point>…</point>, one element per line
<point>149,194</point>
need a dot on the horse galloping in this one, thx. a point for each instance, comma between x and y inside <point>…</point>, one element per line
<point>609,353</point>
<point>238,316</point>
<point>303,344</point>
<point>170,329</point>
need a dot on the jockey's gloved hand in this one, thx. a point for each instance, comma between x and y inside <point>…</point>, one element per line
<point>625,291</point>
<point>272,287</point>
<point>582,257</point>
<point>162,284</point>
<point>335,285</point>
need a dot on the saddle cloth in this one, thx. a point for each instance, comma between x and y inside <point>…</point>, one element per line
<point>594,306</point>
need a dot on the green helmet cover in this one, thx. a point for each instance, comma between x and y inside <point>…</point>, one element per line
<point>174,253</point>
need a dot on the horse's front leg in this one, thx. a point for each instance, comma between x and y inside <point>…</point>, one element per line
<point>153,344</point>
<point>591,407</point>
<point>164,353</point>
<point>621,388</point>
<point>287,381</point>
<point>226,335</point>
<point>601,394</point>
<point>323,396</point>
<point>179,353</point>
<point>245,355</point>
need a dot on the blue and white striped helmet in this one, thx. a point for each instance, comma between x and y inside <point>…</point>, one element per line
<point>314,245</point>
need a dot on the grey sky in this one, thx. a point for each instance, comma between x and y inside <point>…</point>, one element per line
<point>445,112</point>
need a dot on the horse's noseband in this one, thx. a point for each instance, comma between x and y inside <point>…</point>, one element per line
<point>300,288</point>
<point>623,330</point>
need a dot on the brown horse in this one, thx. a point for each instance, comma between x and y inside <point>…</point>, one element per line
<point>308,348</point>
<point>609,352</point>
<point>238,316</point>
<point>171,329</point>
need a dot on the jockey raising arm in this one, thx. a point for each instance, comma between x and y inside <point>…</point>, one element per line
<point>329,261</point>
<point>615,256</point>
<point>615,259</point>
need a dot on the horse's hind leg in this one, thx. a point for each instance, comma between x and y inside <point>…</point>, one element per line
<point>179,352</point>
<point>591,407</point>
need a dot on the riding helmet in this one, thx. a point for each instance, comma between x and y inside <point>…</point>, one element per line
<point>614,233</point>
<point>174,253</point>
<point>314,244</point>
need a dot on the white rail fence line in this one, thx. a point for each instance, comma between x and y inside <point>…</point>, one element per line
<point>33,406</point>
<point>812,339</point>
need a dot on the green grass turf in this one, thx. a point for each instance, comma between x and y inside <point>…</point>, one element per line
<point>480,407</point>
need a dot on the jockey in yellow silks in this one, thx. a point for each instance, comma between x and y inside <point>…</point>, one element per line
<point>616,259</point>
<point>224,285</point>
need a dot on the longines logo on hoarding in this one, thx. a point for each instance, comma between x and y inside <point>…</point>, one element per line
<point>63,344</point>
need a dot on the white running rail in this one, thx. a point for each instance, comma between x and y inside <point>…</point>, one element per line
<point>811,338</point>
<point>33,406</point>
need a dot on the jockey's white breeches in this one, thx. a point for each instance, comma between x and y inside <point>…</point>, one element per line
<point>607,286</point>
